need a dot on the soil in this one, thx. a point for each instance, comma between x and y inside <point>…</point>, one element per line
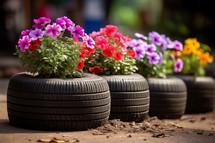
<point>191,128</point>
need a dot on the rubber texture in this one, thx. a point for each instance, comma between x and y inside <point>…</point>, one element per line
<point>58,104</point>
<point>167,97</point>
<point>129,97</point>
<point>201,93</point>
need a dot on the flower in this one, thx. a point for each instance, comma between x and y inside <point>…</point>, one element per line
<point>89,50</point>
<point>110,30</point>
<point>77,31</point>
<point>25,33</point>
<point>34,43</point>
<point>24,43</point>
<point>177,45</point>
<point>101,41</point>
<point>161,58</point>
<point>109,51</point>
<point>69,22</point>
<point>61,22</point>
<point>156,38</point>
<point>53,30</point>
<point>81,55</point>
<point>187,49</point>
<point>80,65</point>
<point>193,42</point>
<point>131,53</point>
<point>39,23</point>
<point>96,70</point>
<point>178,65</point>
<point>137,43</point>
<point>153,58</point>
<point>141,36</point>
<point>204,58</point>
<point>169,43</point>
<point>150,49</point>
<point>118,56</point>
<point>35,34</point>
<point>140,53</point>
<point>89,41</point>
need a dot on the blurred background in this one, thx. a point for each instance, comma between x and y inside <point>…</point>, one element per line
<point>178,19</point>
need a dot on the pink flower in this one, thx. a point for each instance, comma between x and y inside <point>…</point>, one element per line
<point>89,41</point>
<point>178,65</point>
<point>53,30</point>
<point>39,23</point>
<point>25,33</point>
<point>177,45</point>
<point>101,41</point>
<point>24,43</point>
<point>77,31</point>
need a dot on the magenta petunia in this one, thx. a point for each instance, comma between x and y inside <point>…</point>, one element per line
<point>151,48</point>
<point>77,31</point>
<point>153,58</point>
<point>69,22</point>
<point>53,30</point>
<point>61,22</point>
<point>35,34</point>
<point>39,23</point>
<point>178,45</point>
<point>25,33</point>
<point>24,43</point>
<point>178,65</point>
<point>89,41</point>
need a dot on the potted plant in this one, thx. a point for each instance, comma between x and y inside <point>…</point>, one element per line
<point>167,94</point>
<point>200,88</point>
<point>115,63</point>
<point>55,94</point>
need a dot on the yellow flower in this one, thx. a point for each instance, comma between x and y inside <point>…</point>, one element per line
<point>197,52</point>
<point>187,49</point>
<point>204,58</point>
<point>210,60</point>
<point>193,42</point>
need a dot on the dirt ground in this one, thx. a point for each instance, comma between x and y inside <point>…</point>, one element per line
<point>191,128</point>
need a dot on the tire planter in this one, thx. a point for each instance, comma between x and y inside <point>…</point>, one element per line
<point>58,104</point>
<point>129,97</point>
<point>200,93</point>
<point>167,97</point>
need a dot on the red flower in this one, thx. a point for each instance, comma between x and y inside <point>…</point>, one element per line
<point>89,50</point>
<point>96,70</point>
<point>131,53</point>
<point>80,65</point>
<point>109,51</point>
<point>34,43</point>
<point>101,41</point>
<point>118,56</point>
<point>81,55</point>
<point>110,30</point>
<point>118,36</point>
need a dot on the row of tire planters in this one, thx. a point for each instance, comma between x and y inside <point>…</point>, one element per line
<point>201,93</point>
<point>58,104</point>
<point>129,97</point>
<point>167,97</point>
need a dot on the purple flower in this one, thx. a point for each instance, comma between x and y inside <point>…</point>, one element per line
<point>69,22</point>
<point>178,65</point>
<point>39,23</point>
<point>169,43</point>
<point>53,30</point>
<point>163,42</point>
<point>24,43</point>
<point>137,43</point>
<point>156,38</point>
<point>89,41</point>
<point>61,22</point>
<point>35,34</point>
<point>141,36</point>
<point>25,33</point>
<point>177,45</point>
<point>153,58</point>
<point>77,31</point>
<point>140,52</point>
<point>161,58</point>
<point>151,48</point>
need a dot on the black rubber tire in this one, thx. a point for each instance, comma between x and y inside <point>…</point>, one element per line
<point>200,93</point>
<point>129,97</point>
<point>58,104</point>
<point>137,116</point>
<point>167,97</point>
<point>130,83</point>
